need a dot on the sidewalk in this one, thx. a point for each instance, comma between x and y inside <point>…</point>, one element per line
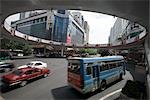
<point>138,75</point>
<point>114,95</point>
<point>1,98</point>
<point>22,57</point>
<point>137,72</point>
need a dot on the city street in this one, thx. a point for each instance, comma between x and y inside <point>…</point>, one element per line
<point>55,86</point>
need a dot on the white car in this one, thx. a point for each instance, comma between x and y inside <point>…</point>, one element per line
<point>36,64</point>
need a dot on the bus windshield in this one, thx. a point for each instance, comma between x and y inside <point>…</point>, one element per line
<point>74,66</point>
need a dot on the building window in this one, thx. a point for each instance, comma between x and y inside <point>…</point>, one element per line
<point>61,11</point>
<point>44,19</point>
<point>22,24</point>
<point>37,20</point>
<point>27,23</point>
<point>41,19</point>
<point>33,21</point>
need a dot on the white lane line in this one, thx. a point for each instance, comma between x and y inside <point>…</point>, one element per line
<point>110,94</point>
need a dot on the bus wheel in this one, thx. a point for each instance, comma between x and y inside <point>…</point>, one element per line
<point>121,77</point>
<point>103,85</point>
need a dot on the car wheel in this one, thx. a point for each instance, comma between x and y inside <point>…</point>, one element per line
<point>103,85</point>
<point>45,75</point>
<point>23,83</point>
<point>7,69</point>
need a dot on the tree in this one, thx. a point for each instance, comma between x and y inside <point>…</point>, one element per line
<point>89,51</point>
<point>82,50</point>
<point>27,49</point>
<point>13,45</point>
<point>103,52</point>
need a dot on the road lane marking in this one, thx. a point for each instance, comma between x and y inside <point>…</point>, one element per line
<point>110,94</point>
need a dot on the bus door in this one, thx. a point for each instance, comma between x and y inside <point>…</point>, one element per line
<point>95,75</point>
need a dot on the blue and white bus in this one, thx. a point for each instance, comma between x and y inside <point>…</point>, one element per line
<point>89,74</point>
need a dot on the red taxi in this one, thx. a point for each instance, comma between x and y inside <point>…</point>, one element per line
<point>23,75</point>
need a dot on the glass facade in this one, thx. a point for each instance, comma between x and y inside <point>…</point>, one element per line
<point>61,11</point>
<point>77,38</point>
<point>77,35</point>
<point>36,27</point>
<point>60,29</point>
<point>63,25</point>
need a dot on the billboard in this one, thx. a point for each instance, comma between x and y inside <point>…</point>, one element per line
<point>69,39</point>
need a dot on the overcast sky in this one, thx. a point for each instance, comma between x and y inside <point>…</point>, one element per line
<point>100,25</point>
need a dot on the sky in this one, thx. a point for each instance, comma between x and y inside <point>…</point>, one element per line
<point>100,25</point>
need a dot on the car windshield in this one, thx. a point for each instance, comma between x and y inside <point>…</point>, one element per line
<point>17,72</point>
<point>29,64</point>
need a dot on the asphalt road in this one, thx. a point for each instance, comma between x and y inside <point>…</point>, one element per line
<point>54,87</point>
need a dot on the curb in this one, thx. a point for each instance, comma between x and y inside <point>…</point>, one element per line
<point>112,95</point>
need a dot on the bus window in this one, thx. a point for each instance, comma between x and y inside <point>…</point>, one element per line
<point>112,65</point>
<point>117,65</point>
<point>104,67</point>
<point>74,68</point>
<point>120,64</point>
<point>88,71</point>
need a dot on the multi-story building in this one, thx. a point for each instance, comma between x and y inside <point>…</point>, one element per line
<point>54,25</point>
<point>133,31</point>
<point>79,18</point>
<point>34,25</point>
<point>124,32</point>
<point>60,25</point>
<point>117,31</point>
<point>87,29</point>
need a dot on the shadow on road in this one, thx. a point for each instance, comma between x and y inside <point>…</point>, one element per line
<point>5,88</point>
<point>68,93</point>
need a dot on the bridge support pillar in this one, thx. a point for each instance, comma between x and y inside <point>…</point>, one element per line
<point>62,51</point>
<point>44,50</point>
<point>147,54</point>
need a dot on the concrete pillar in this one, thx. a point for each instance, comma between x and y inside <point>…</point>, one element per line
<point>44,50</point>
<point>62,51</point>
<point>147,51</point>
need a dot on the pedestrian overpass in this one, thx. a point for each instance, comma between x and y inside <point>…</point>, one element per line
<point>123,9</point>
<point>16,35</point>
<point>134,10</point>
